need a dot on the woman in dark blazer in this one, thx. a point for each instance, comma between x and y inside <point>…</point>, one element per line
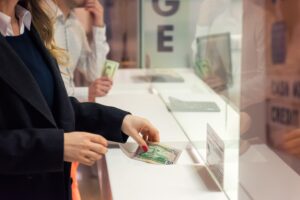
<point>40,126</point>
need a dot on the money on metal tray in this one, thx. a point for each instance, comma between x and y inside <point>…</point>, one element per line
<point>158,154</point>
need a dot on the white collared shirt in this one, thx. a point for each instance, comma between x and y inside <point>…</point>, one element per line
<point>88,59</point>
<point>24,17</point>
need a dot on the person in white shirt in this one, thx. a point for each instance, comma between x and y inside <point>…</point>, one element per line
<point>87,58</point>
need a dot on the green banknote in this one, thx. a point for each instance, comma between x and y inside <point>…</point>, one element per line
<point>110,68</point>
<point>158,154</point>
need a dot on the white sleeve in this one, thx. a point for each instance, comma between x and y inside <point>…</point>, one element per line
<point>93,56</point>
<point>81,93</point>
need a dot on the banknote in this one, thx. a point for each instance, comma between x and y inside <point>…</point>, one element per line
<point>109,69</point>
<point>158,154</point>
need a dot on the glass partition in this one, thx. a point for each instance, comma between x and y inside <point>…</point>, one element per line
<point>270,74</point>
<point>230,69</point>
<point>194,47</point>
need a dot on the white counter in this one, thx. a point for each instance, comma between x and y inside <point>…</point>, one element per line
<point>133,180</point>
<point>151,107</point>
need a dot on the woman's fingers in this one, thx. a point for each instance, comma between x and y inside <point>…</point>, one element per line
<point>138,138</point>
<point>150,131</point>
<point>87,161</point>
<point>90,157</point>
<point>145,137</point>
<point>98,139</point>
<point>140,129</point>
<point>83,147</point>
<point>97,148</point>
<point>93,156</point>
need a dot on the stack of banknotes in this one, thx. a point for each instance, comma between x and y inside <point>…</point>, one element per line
<point>156,154</point>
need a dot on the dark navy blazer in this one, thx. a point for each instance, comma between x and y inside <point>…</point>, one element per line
<point>31,136</point>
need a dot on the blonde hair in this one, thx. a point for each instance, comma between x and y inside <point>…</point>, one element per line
<point>45,27</point>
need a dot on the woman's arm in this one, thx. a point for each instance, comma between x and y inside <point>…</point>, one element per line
<point>113,124</point>
<point>104,120</point>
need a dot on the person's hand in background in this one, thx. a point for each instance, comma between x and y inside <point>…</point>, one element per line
<point>141,130</point>
<point>97,12</point>
<point>99,88</point>
<point>82,147</point>
<point>291,143</point>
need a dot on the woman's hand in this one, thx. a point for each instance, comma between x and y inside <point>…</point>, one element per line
<point>141,130</point>
<point>291,143</point>
<point>82,147</point>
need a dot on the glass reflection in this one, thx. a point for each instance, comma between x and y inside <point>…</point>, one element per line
<point>245,53</point>
<point>269,79</point>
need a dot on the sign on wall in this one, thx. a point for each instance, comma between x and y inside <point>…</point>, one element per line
<point>166,33</point>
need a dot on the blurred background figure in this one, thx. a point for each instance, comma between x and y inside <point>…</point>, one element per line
<point>267,85</point>
<point>283,100</point>
<point>122,35</point>
<point>86,57</point>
